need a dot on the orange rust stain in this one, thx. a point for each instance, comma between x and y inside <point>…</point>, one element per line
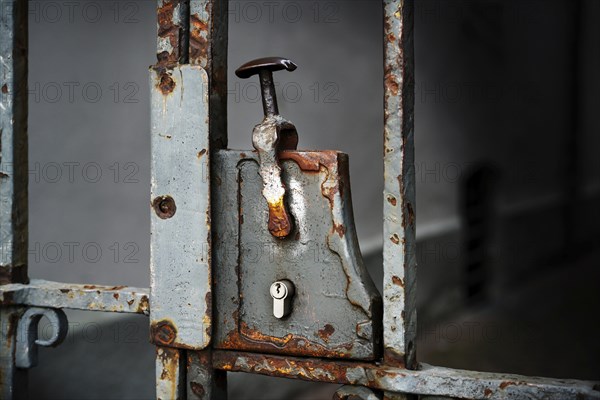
<point>89,287</point>
<point>251,339</point>
<point>392,200</point>
<point>198,44</point>
<point>201,153</point>
<point>169,359</point>
<point>143,306</point>
<point>311,160</point>
<point>116,296</point>
<point>326,332</point>
<point>395,238</point>
<point>340,229</point>
<point>169,30</point>
<point>4,89</point>
<point>506,384</point>
<point>117,288</point>
<point>280,223</point>
<point>487,392</point>
<point>166,84</point>
<point>391,84</point>
<point>397,281</point>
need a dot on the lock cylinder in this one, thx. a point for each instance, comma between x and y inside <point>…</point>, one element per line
<point>282,293</point>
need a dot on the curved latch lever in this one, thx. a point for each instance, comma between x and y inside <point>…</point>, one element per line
<point>269,137</point>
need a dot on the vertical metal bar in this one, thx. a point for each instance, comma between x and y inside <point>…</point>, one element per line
<point>170,374</point>
<point>399,258</point>
<point>13,142</point>
<point>204,382</point>
<point>13,381</point>
<point>173,32</point>
<point>13,183</point>
<point>208,48</point>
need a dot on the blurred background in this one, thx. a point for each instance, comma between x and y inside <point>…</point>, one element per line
<point>507,168</point>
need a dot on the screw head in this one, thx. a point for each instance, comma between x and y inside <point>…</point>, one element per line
<point>164,206</point>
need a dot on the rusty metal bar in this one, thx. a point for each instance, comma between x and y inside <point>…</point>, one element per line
<point>13,381</point>
<point>170,373</point>
<point>427,380</point>
<point>173,32</point>
<point>208,48</point>
<point>204,382</point>
<point>40,293</point>
<point>13,184</point>
<point>13,141</point>
<point>399,243</point>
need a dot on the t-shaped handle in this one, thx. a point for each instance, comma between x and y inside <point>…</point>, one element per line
<point>265,67</point>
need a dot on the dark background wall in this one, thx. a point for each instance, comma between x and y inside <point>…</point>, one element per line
<point>508,177</point>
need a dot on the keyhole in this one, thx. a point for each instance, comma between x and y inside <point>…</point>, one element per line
<point>278,288</point>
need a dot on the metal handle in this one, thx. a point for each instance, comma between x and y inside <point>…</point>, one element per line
<point>264,68</point>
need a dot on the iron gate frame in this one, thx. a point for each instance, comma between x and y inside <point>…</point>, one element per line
<point>192,52</point>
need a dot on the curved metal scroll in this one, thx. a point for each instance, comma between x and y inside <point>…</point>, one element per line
<point>27,334</point>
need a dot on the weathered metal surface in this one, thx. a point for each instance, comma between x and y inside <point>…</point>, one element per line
<point>399,243</point>
<point>170,373</point>
<point>40,293</point>
<point>348,392</point>
<point>269,137</point>
<point>204,382</point>
<point>336,308</point>
<point>427,380</point>
<point>208,49</point>
<point>26,353</point>
<point>180,287</point>
<point>13,381</point>
<point>173,32</point>
<point>13,141</point>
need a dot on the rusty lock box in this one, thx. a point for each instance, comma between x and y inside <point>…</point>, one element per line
<point>287,270</point>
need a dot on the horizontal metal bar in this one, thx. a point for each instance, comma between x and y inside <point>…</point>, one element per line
<point>427,380</point>
<point>40,293</point>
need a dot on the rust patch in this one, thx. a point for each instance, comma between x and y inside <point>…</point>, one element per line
<point>393,358</point>
<point>280,222</point>
<point>251,339</point>
<point>169,30</point>
<point>4,89</point>
<point>201,153</point>
<point>89,287</point>
<point>506,384</point>
<point>207,314</point>
<point>117,288</point>
<point>340,229</point>
<point>163,332</point>
<point>144,305</point>
<point>65,290</point>
<point>311,160</point>
<point>395,238</point>
<point>199,31</point>
<point>391,84</point>
<point>197,389</point>
<point>279,366</point>
<point>392,200</point>
<point>487,392</point>
<point>397,281</point>
<point>326,332</point>
<point>116,296</point>
<point>165,84</point>
<point>13,274</point>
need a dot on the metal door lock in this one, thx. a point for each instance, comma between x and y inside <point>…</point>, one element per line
<point>282,293</point>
